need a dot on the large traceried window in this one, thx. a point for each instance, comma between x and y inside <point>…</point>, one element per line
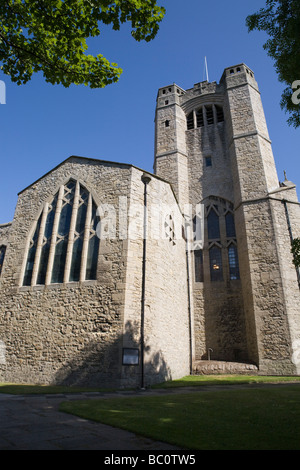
<point>64,246</point>
<point>220,251</point>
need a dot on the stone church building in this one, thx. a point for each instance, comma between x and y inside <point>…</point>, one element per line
<point>111,276</point>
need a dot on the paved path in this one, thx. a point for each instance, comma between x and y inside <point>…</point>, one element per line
<point>34,423</point>
<point>31,422</point>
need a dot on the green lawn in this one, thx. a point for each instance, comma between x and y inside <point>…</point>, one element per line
<point>197,380</point>
<point>244,419</point>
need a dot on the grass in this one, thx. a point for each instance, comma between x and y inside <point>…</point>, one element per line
<point>196,380</point>
<point>245,419</point>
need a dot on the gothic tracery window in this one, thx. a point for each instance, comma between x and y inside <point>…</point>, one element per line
<point>219,254</point>
<point>64,245</point>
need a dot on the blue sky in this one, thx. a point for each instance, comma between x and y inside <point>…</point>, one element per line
<point>42,124</point>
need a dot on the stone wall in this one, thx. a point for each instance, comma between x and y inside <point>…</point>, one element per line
<point>166,313</point>
<point>4,233</point>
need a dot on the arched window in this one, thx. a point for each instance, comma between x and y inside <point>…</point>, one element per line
<point>213,226</point>
<point>205,116</point>
<point>64,246</point>
<point>2,255</point>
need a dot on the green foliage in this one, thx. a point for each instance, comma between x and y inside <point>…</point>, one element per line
<point>280,19</point>
<point>296,252</point>
<point>50,36</point>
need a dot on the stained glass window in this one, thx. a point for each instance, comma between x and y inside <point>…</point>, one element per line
<point>64,246</point>
<point>92,256</point>
<point>233,262</point>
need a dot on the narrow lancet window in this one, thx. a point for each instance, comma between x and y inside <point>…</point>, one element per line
<point>209,115</point>
<point>234,272</point>
<point>198,259</point>
<point>2,255</point>
<point>213,226</point>
<point>216,266</point>
<point>230,227</point>
<point>190,121</point>
<point>219,113</point>
<point>199,117</point>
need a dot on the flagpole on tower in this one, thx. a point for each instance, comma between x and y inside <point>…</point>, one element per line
<point>206,69</point>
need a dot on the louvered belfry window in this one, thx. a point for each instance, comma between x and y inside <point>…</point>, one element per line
<point>64,245</point>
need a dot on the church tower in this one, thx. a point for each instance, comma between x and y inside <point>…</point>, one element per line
<point>212,144</point>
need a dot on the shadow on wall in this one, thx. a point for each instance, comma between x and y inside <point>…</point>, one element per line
<point>99,363</point>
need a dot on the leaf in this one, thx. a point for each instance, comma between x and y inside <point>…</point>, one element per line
<point>50,37</point>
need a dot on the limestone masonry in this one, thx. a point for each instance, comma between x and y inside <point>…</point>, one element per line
<point>111,276</point>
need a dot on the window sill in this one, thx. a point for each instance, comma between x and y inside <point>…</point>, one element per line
<point>40,287</point>
<point>198,285</point>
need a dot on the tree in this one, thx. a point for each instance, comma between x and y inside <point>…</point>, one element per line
<point>296,252</point>
<point>50,36</point>
<point>281,21</point>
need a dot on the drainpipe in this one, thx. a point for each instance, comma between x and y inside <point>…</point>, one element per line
<point>146,180</point>
<point>291,234</point>
<point>189,304</point>
<point>187,235</point>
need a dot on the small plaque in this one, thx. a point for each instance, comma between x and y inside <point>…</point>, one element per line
<point>130,356</point>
